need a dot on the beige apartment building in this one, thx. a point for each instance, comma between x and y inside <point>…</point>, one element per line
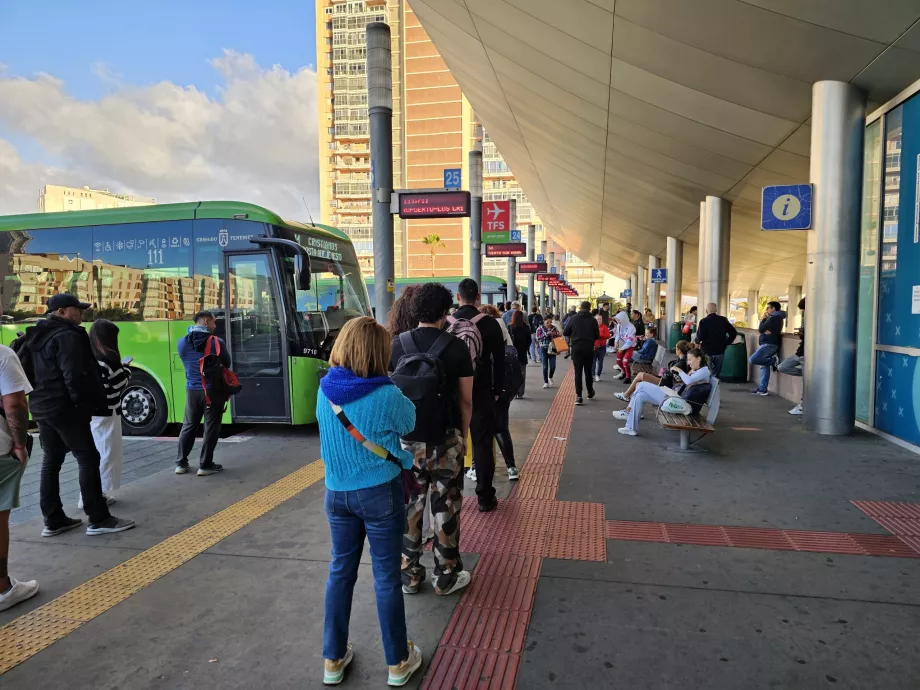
<point>55,198</point>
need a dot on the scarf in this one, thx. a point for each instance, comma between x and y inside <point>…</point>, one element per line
<point>343,386</point>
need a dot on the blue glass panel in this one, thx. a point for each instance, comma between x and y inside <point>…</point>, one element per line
<point>897,395</point>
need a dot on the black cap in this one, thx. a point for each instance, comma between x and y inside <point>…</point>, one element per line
<point>64,300</point>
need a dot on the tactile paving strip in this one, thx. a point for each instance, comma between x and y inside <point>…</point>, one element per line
<point>762,538</point>
<point>31,633</point>
<point>901,519</point>
<point>576,532</point>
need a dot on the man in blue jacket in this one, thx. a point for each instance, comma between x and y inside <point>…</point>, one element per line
<point>191,350</point>
<point>771,335</point>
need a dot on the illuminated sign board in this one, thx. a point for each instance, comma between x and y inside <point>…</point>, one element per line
<point>434,204</point>
<point>544,277</point>
<point>497,251</point>
<point>531,267</point>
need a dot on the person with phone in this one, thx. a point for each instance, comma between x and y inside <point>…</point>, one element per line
<point>106,421</point>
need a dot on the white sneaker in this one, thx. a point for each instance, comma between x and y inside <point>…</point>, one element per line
<point>513,473</point>
<point>797,410</point>
<point>463,579</point>
<point>551,382</point>
<point>19,592</point>
<point>546,385</point>
<point>471,474</point>
<point>621,414</point>
<point>627,432</point>
<point>621,396</point>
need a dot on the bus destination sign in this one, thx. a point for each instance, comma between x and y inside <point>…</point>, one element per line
<point>532,267</point>
<point>498,251</point>
<point>434,204</point>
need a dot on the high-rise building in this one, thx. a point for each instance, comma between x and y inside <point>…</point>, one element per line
<point>54,198</point>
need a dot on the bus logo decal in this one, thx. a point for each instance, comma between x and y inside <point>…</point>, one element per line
<point>223,237</point>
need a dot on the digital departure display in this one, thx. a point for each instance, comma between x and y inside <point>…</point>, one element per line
<point>531,267</point>
<point>497,251</point>
<point>434,204</point>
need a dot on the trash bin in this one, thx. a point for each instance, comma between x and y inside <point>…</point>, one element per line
<point>735,364</point>
<point>675,335</point>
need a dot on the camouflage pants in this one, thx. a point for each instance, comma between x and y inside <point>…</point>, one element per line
<point>439,473</point>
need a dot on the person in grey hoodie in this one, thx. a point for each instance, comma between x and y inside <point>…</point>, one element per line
<point>771,335</point>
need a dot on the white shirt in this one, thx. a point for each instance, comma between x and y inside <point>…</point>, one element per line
<point>12,380</point>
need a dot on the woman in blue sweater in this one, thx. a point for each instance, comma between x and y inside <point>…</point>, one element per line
<point>364,495</point>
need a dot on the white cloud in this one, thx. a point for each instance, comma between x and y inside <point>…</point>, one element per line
<point>256,141</point>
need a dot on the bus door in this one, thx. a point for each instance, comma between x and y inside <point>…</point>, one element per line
<point>256,339</point>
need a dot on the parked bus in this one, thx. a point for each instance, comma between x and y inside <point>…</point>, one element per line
<point>493,289</point>
<point>281,292</point>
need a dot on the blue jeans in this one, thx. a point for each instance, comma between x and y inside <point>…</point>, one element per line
<point>533,347</point>
<point>599,354</point>
<point>380,513</point>
<point>549,364</point>
<point>763,357</point>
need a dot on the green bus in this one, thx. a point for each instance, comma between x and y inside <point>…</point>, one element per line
<point>281,292</point>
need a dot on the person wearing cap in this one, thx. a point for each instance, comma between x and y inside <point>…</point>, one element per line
<point>66,391</point>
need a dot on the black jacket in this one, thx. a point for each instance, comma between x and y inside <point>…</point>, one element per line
<point>715,333</point>
<point>66,380</point>
<point>536,320</point>
<point>800,350</point>
<point>582,330</point>
<point>490,371</point>
<point>773,323</point>
<point>521,337</point>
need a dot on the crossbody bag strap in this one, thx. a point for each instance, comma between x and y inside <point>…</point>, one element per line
<point>377,450</point>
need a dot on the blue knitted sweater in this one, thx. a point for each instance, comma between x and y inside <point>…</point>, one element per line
<point>382,416</point>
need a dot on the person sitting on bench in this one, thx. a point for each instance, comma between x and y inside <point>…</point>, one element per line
<point>646,353</point>
<point>694,388</point>
<point>681,350</point>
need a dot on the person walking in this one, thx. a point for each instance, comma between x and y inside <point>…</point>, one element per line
<point>794,365</point>
<point>771,335</point>
<point>191,349</point>
<point>582,331</point>
<point>714,334</point>
<point>361,417</point>
<point>520,337</point>
<point>106,423</point>
<point>503,414</point>
<point>535,320</point>
<point>600,347</point>
<point>437,441</point>
<point>509,313</point>
<point>625,344</point>
<point>488,386</point>
<point>14,455</point>
<point>545,335</point>
<point>67,390</point>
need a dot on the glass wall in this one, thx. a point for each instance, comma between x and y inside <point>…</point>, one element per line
<point>868,256</point>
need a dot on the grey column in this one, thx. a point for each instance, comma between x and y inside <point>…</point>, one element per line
<point>654,289</point>
<point>701,267</point>
<point>476,209</point>
<point>531,279</point>
<point>675,276</point>
<point>560,298</point>
<point>512,262</point>
<point>642,280</point>
<point>551,261</point>
<point>838,120</point>
<point>633,289</point>
<point>380,114</point>
<point>716,248</point>
<point>543,284</point>
<point>753,317</point>
<point>793,314</point>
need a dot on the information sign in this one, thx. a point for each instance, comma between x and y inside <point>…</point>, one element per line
<point>512,249</point>
<point>434,204</point>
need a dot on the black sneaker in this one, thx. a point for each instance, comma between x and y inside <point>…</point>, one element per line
<point>182,468</point>
<point>579,400</point>
<point>213,468</point>
<point>488,507</point>
<point>110,525</point>
<point>64,526</point>
<point>590,395</point>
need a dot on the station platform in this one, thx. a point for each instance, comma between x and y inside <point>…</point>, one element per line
<point>778,559</point>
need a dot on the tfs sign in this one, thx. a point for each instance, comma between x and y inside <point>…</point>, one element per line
<point>496,216</point>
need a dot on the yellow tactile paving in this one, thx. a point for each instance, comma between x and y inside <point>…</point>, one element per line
<point>31,633</point>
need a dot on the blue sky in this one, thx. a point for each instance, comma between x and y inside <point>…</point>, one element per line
<point>144,43</point>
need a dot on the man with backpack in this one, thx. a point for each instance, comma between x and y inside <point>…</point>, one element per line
<point>200,401</point>
<point>66,391</point>
<point>488,386</point>
<point>582,331</point>
<point>434,369</point>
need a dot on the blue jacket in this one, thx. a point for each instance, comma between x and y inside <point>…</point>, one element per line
<point>647,352</point>
<point>774,324</point>
<point>191,350</point>
<point>380,412</point>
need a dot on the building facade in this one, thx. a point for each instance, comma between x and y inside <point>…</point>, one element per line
<point>55,198</point>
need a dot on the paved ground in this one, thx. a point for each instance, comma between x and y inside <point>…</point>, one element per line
<point>248,611</point>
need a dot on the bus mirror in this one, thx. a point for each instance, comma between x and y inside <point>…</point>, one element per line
<point>302,272</point>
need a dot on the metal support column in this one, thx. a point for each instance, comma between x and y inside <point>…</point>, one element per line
<point>512,262</point>
<point>476,208</point>
<point>838,120</point>
<point>715,254</point>
<point>543,283</point>
<point>552,293</point>
<point>531,279</point>
<point>642,279</point>
<point>380,114</point>
<point>793,313</point>
<point>701,267</point>
<point>654,289</point>
<point>675,276</point>
<point>560,298</point>
<point>633,290</point>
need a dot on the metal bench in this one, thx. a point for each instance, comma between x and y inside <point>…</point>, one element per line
<point>693,424</point>
<point>661,355</point>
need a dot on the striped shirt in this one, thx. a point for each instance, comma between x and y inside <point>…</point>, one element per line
<point>114,381</point>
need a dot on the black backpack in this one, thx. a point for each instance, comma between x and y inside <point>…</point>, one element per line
<point>514,377</point>
<point>421,378</point>
<point>25,356</point>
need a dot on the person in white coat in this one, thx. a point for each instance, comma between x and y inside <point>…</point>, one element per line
<point>106,423</point>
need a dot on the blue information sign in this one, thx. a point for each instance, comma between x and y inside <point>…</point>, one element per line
<point>541,258</point>
<point>659,275</point>
<point>623,295</point>
<point>552,269</point>
<point>627,293</point>
<point>786,207</point>
<point>452,178</point>
<point>516,236</point>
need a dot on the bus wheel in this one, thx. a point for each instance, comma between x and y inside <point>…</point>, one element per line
<point>143,407</point>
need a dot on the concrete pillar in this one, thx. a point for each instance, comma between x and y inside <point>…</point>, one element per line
<point>476,208</point>
<point>838,120</point>
<point>642,289</point>
<point>551,261</point>
<point>654,289</point>
<point>793,313</point>
<point>531,279</point>
<point>512,262</point>
<point>714,255</point>
<point>701,268</point>
<point>675,268</point>
<point>753,316</point>
<point>543,284</point>
<point>633,287</point>
<point>380,116</point>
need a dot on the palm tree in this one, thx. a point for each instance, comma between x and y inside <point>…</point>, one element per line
<point>433,241</point>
